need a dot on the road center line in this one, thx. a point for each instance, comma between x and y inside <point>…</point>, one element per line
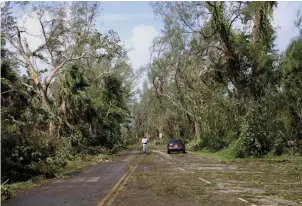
<point>116,185</point>
<point>243,200</point>
<point>113,189</point>
<point>204,180</point>
<point>121,187</point>
<point>169,163</point>
<point>161,158</point>
<point>181,169</point>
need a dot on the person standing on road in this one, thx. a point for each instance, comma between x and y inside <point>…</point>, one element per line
<point>144,142</point>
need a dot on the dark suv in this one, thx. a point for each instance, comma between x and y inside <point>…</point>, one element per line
<point>176,145</point>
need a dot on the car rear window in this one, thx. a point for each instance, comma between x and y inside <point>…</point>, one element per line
<point>176,141</point>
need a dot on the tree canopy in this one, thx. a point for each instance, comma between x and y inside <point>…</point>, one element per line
<point>218,81</point>
<point>215,79</point>
<point>75,96</point>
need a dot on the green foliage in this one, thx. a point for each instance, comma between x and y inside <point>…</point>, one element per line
<point>292,82</point>
<point>222,88</point>
<point>195,144</point>
<point>255,138</point>
<point>6,192</point>
<point>88,98</point>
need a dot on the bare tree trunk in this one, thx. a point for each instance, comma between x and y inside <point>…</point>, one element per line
<point>90,129</point>
<point>256,28</point>
<point>197,130</point>
<point>44,99</point>
<point>47,106</point>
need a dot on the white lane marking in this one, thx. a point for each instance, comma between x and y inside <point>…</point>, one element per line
<point>253,205</point>
<point>181,168</point>
<point>243,200</point>
<point>59,181</point>
<point>77,179</point>
<point>204,180</point>
<point>169,163</point>
<point>161,158</point>
<point>92,179</point>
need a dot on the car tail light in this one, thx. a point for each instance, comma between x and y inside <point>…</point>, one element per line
<point>171,145</point>
<point>180,145</point>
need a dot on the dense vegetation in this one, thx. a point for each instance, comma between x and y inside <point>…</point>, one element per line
<point>217,80</point>
<point>73,100</point>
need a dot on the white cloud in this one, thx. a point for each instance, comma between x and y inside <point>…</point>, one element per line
<point>140,43</point>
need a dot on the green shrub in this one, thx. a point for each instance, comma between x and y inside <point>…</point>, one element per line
<point>6,192</point>
<point>195,144</point>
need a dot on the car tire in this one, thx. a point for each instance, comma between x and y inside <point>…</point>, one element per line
<point>184,151</point>
<point>168,152</point>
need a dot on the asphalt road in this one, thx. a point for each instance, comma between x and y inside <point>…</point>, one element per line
<point>86,188</point>
<point>158,178</point>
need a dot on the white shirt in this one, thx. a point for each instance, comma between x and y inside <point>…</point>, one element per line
<point>144,140</point>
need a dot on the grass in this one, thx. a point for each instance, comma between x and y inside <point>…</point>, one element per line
<point>226,156</point>
<point>213,155</point>
<point>78,165</point>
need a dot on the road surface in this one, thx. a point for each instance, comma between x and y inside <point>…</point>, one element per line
<point>86,188</point>
<point>157,178</point>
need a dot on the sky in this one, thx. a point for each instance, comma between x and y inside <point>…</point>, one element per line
<point>137,26</point>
